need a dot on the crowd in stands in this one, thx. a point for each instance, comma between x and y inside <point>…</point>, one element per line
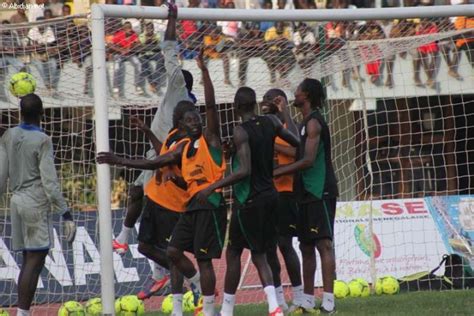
<point>48,45</point>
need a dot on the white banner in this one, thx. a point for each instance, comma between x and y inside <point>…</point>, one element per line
<point>405,236</point>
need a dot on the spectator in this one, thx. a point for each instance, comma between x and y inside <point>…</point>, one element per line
<point>125,42</point>
<point>47,14</point>
<point>285,4</point>
<point>265,25</point>
<point>250,44</point>
<point>9,45</point>
<point>81,54</point>
<point>36,11</point>
<point>337,33</point>
<point>159,26</point>
<point>230,28</point>
<point>153,62</point>
<point>56,7</point>
<point>448,48</point>
<point>65,33</point>
<point>428,53</point>
<point>66,10</point>
<point>190,36</point>
<point>372,31</point>
<point>400,28</point>
<point>19,16</point>
<point>320,4</point>
<point>214,39</point>
<point>44,42</point>
<point>305,43</point>
<point>126,2</point>
<point>279,56</point>
<point>466,41</point>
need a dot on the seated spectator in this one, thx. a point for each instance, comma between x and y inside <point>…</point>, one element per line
<point>64,31</point>
<point>81,54</point>
<point>230,28</point>
<point>126,2</point>
<point>448,48</point>
<point>56,7</point>
<point>44,43</point>
<point>279,56</point>
<point>400,28</point>
<point>428,53</point>
<point>466,41</point>
<point>372,31</point>
<point>285,5</point>
<point>10,44</point>
<point>19,16</point>
<point>304,50</point>
<point>189,35</point>
<point>48,14</point>
<point>112,26</point>
<point>125,42</point>
<point>250,44</point>
<point>212,41</point>
<point>66,10</point>
<point>36,11</point>
<point>153,62</point>
<point>159,25</point>
<point>336,35</point>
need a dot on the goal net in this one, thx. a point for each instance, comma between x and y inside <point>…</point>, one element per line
<point>400,99</point>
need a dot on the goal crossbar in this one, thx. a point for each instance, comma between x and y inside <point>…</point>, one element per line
<point>283,15</point>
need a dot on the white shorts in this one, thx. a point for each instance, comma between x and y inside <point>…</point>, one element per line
<point>32,227</point>
<point>143,178</point>
<point>145,175</point>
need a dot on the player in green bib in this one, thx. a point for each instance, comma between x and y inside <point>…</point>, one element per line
<point>316,189</point>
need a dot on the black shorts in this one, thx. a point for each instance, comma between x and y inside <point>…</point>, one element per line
<point>316,220</point>
<point>287,215</point>
<point>157,224</point>
<point>253,225</point>
<point>201,232</point>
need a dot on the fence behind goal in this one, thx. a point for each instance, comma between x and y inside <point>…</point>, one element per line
<point>398,91</point>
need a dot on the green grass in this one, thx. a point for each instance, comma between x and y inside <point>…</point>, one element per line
<point>421,303</point>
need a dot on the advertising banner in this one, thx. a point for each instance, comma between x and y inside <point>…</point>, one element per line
<point>409,236</point>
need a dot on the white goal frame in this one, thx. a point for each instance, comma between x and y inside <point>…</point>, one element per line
<point>101,11</point>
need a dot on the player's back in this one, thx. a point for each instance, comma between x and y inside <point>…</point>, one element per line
<point>261,137</point>
<point>25,144</point>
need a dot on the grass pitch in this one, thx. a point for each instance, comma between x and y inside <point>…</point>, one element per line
<point>420,303</point>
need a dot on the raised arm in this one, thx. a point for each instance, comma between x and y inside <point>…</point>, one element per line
<point>313,129</point>
<point>172,66</point>
<point>282,105</point>
<point>176,90</point>
<point>136,122</point>
<point>285,150</point>
<point>170,158</point>
<point>243,153</point>
<point>170,33</point>
<point>213,129</point>
<point>283,133</point>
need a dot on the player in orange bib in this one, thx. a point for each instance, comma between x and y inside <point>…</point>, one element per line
<point>201,229</point>
<point>166,198</point>
<point>286,210</point>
